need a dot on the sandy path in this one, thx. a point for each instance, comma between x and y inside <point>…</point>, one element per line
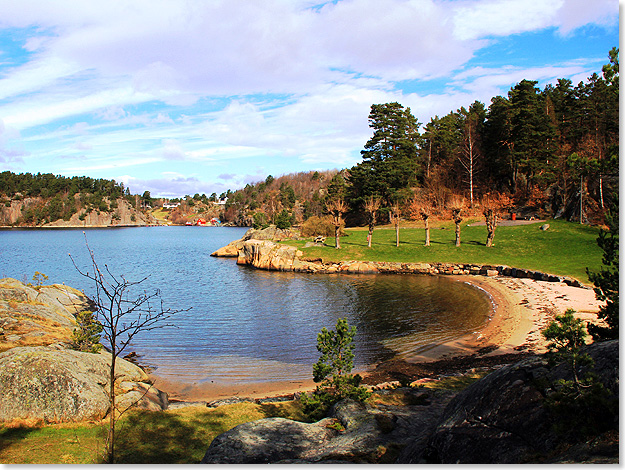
<point>522,308</point>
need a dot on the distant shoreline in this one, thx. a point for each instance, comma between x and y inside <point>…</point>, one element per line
<point>77,227</point>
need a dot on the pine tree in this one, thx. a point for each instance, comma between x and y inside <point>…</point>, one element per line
<point>389,159</point>
<point>606,281</point>
<point>333,370</point>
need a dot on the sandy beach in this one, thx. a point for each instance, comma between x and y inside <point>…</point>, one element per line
<point>521,309</point>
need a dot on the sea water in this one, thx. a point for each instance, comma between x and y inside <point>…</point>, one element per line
<point>245,324</point>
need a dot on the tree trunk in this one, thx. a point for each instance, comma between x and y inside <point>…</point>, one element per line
<point>581,200</point>
<point>427,168</point>
<point>601,191</point>
<point>397,233</point>
<point>471,183</point>
<point>490,237</point>
<point>491,225</point>
<point>457,221</point>
<point>112,418</point>
<point>337,238</point>
<point>427,232</point>
<point>370,235</point>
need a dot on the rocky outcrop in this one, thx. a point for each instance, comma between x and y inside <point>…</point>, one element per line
<point>40,378</point>
<point>268,255</point>
<point>271,233</point>
<point>502,419</point>
<point>65,385</point>
<point>34,316</point>
<point>353,433</point>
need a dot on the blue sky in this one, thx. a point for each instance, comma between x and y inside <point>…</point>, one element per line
<point>198,96</point>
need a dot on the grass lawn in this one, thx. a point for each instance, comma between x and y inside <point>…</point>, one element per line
<point>161,215</point>
<point>177,436</point>
<point>565,249</point>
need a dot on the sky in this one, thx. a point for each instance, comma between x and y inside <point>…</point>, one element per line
<point>179,97</point>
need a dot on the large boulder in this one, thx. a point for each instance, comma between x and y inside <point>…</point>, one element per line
<point>268,440</point>
<point>263,254</point>
<point>41,315</point>
<point>502,418</point>
<point>65,385</point>
<point>353,433</point>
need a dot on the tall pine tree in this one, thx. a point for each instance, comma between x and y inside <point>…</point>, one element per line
<point>389,159</point>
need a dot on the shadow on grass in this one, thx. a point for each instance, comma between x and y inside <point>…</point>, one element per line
<point>9,436</point>
<point>145,437</point>
<point>161,437</point>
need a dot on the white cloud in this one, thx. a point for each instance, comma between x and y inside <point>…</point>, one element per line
<point>483,18</point>
<point>292,80</point>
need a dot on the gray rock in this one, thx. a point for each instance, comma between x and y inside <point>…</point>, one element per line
<point>229,401</point>
<point>544,227</point>
<point>184,404</point>
<point>501,419</point>
<point>60,385</point>
<point>353,433</point>
<point>268,440</point>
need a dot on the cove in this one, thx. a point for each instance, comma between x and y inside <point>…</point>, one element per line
<point>247,325</point>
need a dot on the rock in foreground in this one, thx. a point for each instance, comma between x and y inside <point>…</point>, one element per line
<point>65,385</point>
<point>354,433</point>
<point>502,419</point>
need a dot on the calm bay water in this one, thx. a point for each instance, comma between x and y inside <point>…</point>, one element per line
<point>248,325</point>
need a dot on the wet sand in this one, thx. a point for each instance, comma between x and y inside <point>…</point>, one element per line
<point>521,309</point>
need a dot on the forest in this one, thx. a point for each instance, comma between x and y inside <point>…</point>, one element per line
<point>61,196</point>
<point>552,152</point>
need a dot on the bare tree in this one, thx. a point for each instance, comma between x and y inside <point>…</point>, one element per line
<point>469,154</point>
<point>122,317</point>
<point>372,206</point>
<point>421,207</point>
<point>456,204</point>
<point>395,217</point>
<point>336,208</point>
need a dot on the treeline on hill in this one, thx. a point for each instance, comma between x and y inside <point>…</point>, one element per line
<point>61,197</point>
<point>552,152</point>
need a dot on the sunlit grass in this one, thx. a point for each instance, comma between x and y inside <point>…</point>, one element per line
<point>565,249</point>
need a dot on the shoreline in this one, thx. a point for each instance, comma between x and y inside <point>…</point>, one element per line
<point>522,308</point>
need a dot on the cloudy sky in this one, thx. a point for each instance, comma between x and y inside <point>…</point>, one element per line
<point>198,96</point>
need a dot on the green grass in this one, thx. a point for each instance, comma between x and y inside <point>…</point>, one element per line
<point>566,249</point>
<point>174,437</point>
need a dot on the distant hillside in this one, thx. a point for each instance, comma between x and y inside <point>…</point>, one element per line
<point>28,200</point>
<point>297,196</point>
